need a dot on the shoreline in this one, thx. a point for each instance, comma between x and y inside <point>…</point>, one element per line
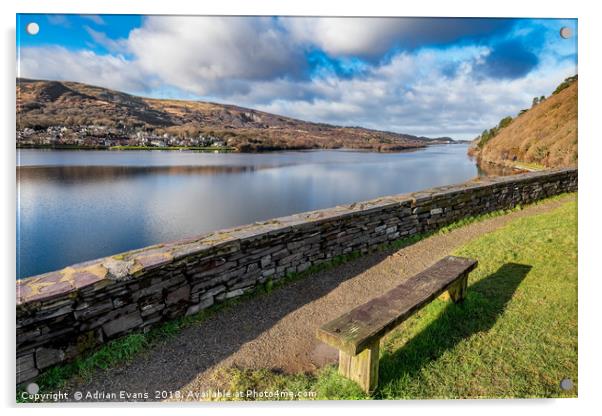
<point>224,149</point>
<point>120,148</point>
<point>519,166</point>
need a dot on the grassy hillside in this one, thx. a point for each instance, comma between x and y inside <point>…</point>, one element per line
<point>85,115</point>
<point>544,135</point>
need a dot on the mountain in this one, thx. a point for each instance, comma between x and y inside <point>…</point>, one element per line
<point>53,113</point>
<point>544,135</point>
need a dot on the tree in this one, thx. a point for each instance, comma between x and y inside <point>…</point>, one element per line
<point>505,122</point>
<point>568,81</point>
<point>535,102</point>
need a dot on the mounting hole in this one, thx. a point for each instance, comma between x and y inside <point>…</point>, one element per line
<point>33,388</point>
<point>566,384</point>
<point>566,32</point>
<point>32,28</point>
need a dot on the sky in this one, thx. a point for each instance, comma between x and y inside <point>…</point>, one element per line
<point>424,76</point>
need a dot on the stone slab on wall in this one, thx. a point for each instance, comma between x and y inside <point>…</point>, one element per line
<point>64,313</point>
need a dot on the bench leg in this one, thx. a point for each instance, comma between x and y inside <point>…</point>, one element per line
<point>457,291</point>
<point>362,368</point>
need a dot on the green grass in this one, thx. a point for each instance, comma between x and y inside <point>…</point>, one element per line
<point>515,335</point>
<point>531,166</point>
<point>327,383</point>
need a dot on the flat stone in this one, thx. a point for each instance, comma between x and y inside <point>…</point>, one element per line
<point>246,282</point>
<point>191,249</point>
<point>151,261</point>
<point>231,294</point>
<point>87,311</point>
<point>151,308</point>
<point>52,277</point>
<point>46,357</point>
<point>25,336</point>
<point>52,290</point>
<point>24,292</point>
<point>204,304</point>
<point>269,272</point>
<point>27,375</point>
<point>117,269</point>
<point>42,287</point>
<point>122,324</point>
<point>85,278</point>
<point>181,294</point>
<point>25,362</point>
<point>265,261</point>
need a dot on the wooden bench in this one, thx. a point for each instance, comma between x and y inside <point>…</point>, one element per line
<point>357,333</point>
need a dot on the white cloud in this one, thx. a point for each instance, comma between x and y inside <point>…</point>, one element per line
<point>412,94</point>
<point>260,63</point>
<point>113,45</point>
<point>371,37</point>
<point>58,19</point>
<point>58,63</point>
<point>213,54</point>
<point>94,18</point>
<point>347,35</point>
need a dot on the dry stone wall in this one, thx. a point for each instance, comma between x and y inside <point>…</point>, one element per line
<point>64,313</point>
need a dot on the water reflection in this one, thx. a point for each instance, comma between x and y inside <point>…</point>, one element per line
<point>80,174</point>
<point>75,206</point>
<point>491,169</point>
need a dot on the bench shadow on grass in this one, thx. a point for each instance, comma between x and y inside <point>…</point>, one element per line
<point>485,302</point>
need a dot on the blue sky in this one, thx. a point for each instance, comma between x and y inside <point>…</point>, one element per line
<point>423,76</point>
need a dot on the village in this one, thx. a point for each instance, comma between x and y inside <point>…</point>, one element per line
<point>93,136</point>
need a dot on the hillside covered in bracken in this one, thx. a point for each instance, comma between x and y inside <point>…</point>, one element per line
<point>544,135</point>
<point>52,113</point>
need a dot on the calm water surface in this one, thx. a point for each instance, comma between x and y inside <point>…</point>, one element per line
<point>80,205</point>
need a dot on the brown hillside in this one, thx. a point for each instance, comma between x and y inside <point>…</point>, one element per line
<point>546,134</point>
<point>59,105</point>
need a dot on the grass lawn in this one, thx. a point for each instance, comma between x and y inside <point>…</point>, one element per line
<point>514,336</point>
<point>531,166</point>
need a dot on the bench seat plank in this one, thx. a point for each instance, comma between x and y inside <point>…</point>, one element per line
<point>357,329</point>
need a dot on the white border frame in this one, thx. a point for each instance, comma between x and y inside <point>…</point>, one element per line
<point>589,148</point>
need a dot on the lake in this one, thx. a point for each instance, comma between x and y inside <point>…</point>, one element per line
<point>80,205</point>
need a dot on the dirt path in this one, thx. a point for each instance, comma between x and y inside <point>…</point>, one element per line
<point>277,331</point>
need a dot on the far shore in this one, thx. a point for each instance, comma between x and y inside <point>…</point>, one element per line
<point>116,148</point>
<point>218,149</point>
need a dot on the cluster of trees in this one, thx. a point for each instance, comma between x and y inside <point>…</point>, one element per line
<point>568,81</point>
<point>533,137</point>
<point>489,134</point>
<point>538,100</point>
<point>492,132</point>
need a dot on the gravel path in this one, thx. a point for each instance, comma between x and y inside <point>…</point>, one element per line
<point>277,330</point>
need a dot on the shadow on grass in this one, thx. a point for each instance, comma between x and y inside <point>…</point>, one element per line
<point>485,302</point>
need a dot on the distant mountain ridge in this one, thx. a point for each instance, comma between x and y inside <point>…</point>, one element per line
<point>543,136</point>
<point>71,113</point>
